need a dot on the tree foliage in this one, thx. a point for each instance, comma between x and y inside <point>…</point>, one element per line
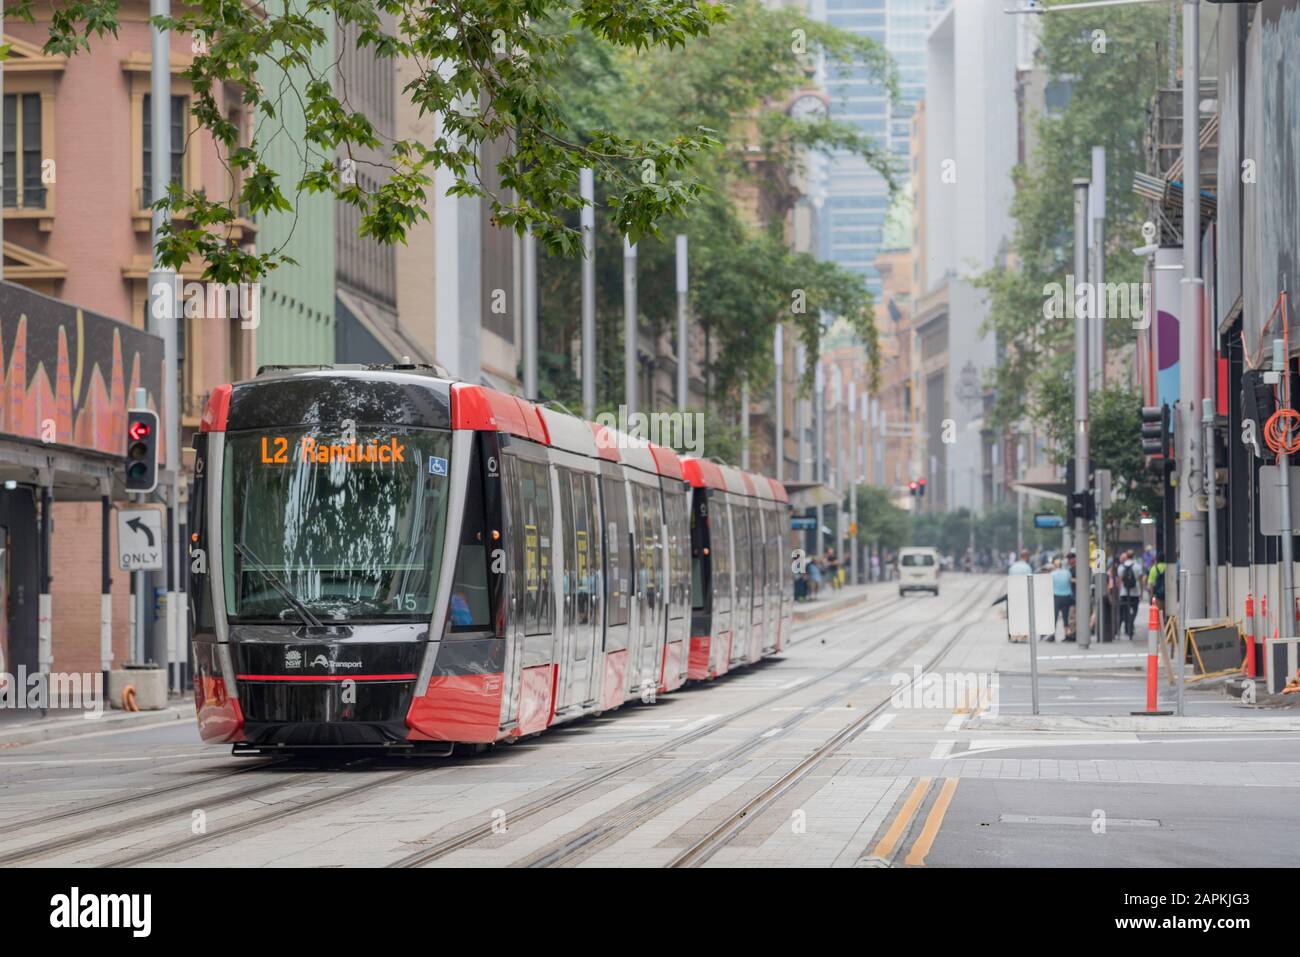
<point>744,277</point>
<point>485,67</point>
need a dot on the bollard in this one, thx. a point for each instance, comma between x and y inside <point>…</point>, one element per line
<point>1153,662</point>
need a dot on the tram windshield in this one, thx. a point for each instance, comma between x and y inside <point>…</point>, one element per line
<point>333,526</point>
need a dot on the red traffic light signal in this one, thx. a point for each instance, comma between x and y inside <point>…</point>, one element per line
<point>912,487</point>
<point>141,450</point>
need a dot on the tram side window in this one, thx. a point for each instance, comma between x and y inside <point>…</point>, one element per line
<point>568,578</point>
<point>470,608</point>
<point>720,538</point>
<point>675,509</point>
<point>760,562</point>
<point>584,570</point>
<point>535,502</point>
<point>647,507</point>
<point>616,529</point>
<point>743,565</point>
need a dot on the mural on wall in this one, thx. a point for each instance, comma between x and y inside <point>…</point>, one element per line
<point>67,375</point>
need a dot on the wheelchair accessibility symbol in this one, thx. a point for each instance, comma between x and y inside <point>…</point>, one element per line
<point>437,466</point>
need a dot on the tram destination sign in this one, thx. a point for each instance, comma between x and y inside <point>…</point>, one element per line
<point>141,542</point>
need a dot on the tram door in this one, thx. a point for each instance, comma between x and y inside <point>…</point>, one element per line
<point>678,542</point>
<point>530,528</point>
<point>647,512</point>
<point>773,574</point>
<point>581,586</point>
<point>743,563</point>
<point>720,545</point>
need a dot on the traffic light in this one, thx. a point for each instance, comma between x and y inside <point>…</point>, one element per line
<point>1156,436</point>
<point>912,488</point>
<point>1080,506</point>
<point>920,488</point>
<point>141,450</point>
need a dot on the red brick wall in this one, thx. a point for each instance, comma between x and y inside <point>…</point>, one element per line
<point>76,589</point>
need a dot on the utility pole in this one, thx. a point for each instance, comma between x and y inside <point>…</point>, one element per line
<point>1097,200</point>
<point>1083,566</point>
<point>1211,513</point>
<point>163,307</point>
<point>683,296</point>
<point>587,188</point>
<point>819,445</point>
<point>801,414</point>
<point>853,482</point>
<point>530,315</point>
<point>744,425</point>
<point>1191,522</point>
<point>778,404</point>
<point>629,326</point>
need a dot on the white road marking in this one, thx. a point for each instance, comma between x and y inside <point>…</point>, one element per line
<point>700,722</point>
<point>772,733</point>
<point>882,722</point>
<point>1079,821</point>
<point>942,749</point>
<point>791,684</point>
<point>955,722</point>
<point>152,757</point>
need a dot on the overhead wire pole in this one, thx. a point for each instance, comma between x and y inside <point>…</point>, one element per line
<point>530,315</point>
<point>1083,566</point>
<point>1097,200</point>
<point>629,326</point>
<point>163,303</point>
<point>853,481</point>
<point>778,405</point>
<point>683,323</point>
<point>1191,523</point>
<point>587,189</point>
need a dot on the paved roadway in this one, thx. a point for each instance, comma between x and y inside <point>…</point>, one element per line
<point>800,761</point>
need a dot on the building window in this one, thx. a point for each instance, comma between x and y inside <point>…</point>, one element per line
<point>179,111</point>
<point>22,152</point>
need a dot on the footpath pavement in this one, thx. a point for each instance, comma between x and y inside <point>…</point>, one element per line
<point>19,727</point>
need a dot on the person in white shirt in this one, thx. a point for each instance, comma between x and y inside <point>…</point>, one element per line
<point>1021,567</point>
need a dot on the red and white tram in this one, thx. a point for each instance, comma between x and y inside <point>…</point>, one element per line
<point>382,556</point>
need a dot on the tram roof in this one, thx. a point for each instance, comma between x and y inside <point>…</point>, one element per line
<point>482,408</point>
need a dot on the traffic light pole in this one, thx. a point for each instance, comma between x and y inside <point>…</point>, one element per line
<point>163,320</point>
<point>1083,565</point>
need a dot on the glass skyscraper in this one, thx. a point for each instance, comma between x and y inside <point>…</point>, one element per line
<point>857,197</point>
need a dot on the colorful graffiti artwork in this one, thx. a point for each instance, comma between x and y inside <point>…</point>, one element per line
<point>69,374</point>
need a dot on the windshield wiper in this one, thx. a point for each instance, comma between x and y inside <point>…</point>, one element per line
<point>278,584</point>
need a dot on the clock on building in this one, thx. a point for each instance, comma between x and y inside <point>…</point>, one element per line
<point>808,106</point>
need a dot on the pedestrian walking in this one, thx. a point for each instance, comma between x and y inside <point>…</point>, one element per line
<point>1130,593</point>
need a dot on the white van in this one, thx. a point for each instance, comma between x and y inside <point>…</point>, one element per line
<point>918,570</point>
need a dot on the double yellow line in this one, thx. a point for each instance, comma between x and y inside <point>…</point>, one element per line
<point>902,823</point>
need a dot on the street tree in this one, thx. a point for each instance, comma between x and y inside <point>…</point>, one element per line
<point>485,68</point>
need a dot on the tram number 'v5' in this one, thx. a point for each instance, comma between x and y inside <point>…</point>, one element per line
<point>275,451</point>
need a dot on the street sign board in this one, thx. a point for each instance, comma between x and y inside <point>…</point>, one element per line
<point>801,524</point>
<point>1018,598</point>
<point>1047,520</point>
<point>141,543</point>
<point>1270,499</point>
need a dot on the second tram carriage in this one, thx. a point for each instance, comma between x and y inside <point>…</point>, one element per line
<point>382,556</point>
